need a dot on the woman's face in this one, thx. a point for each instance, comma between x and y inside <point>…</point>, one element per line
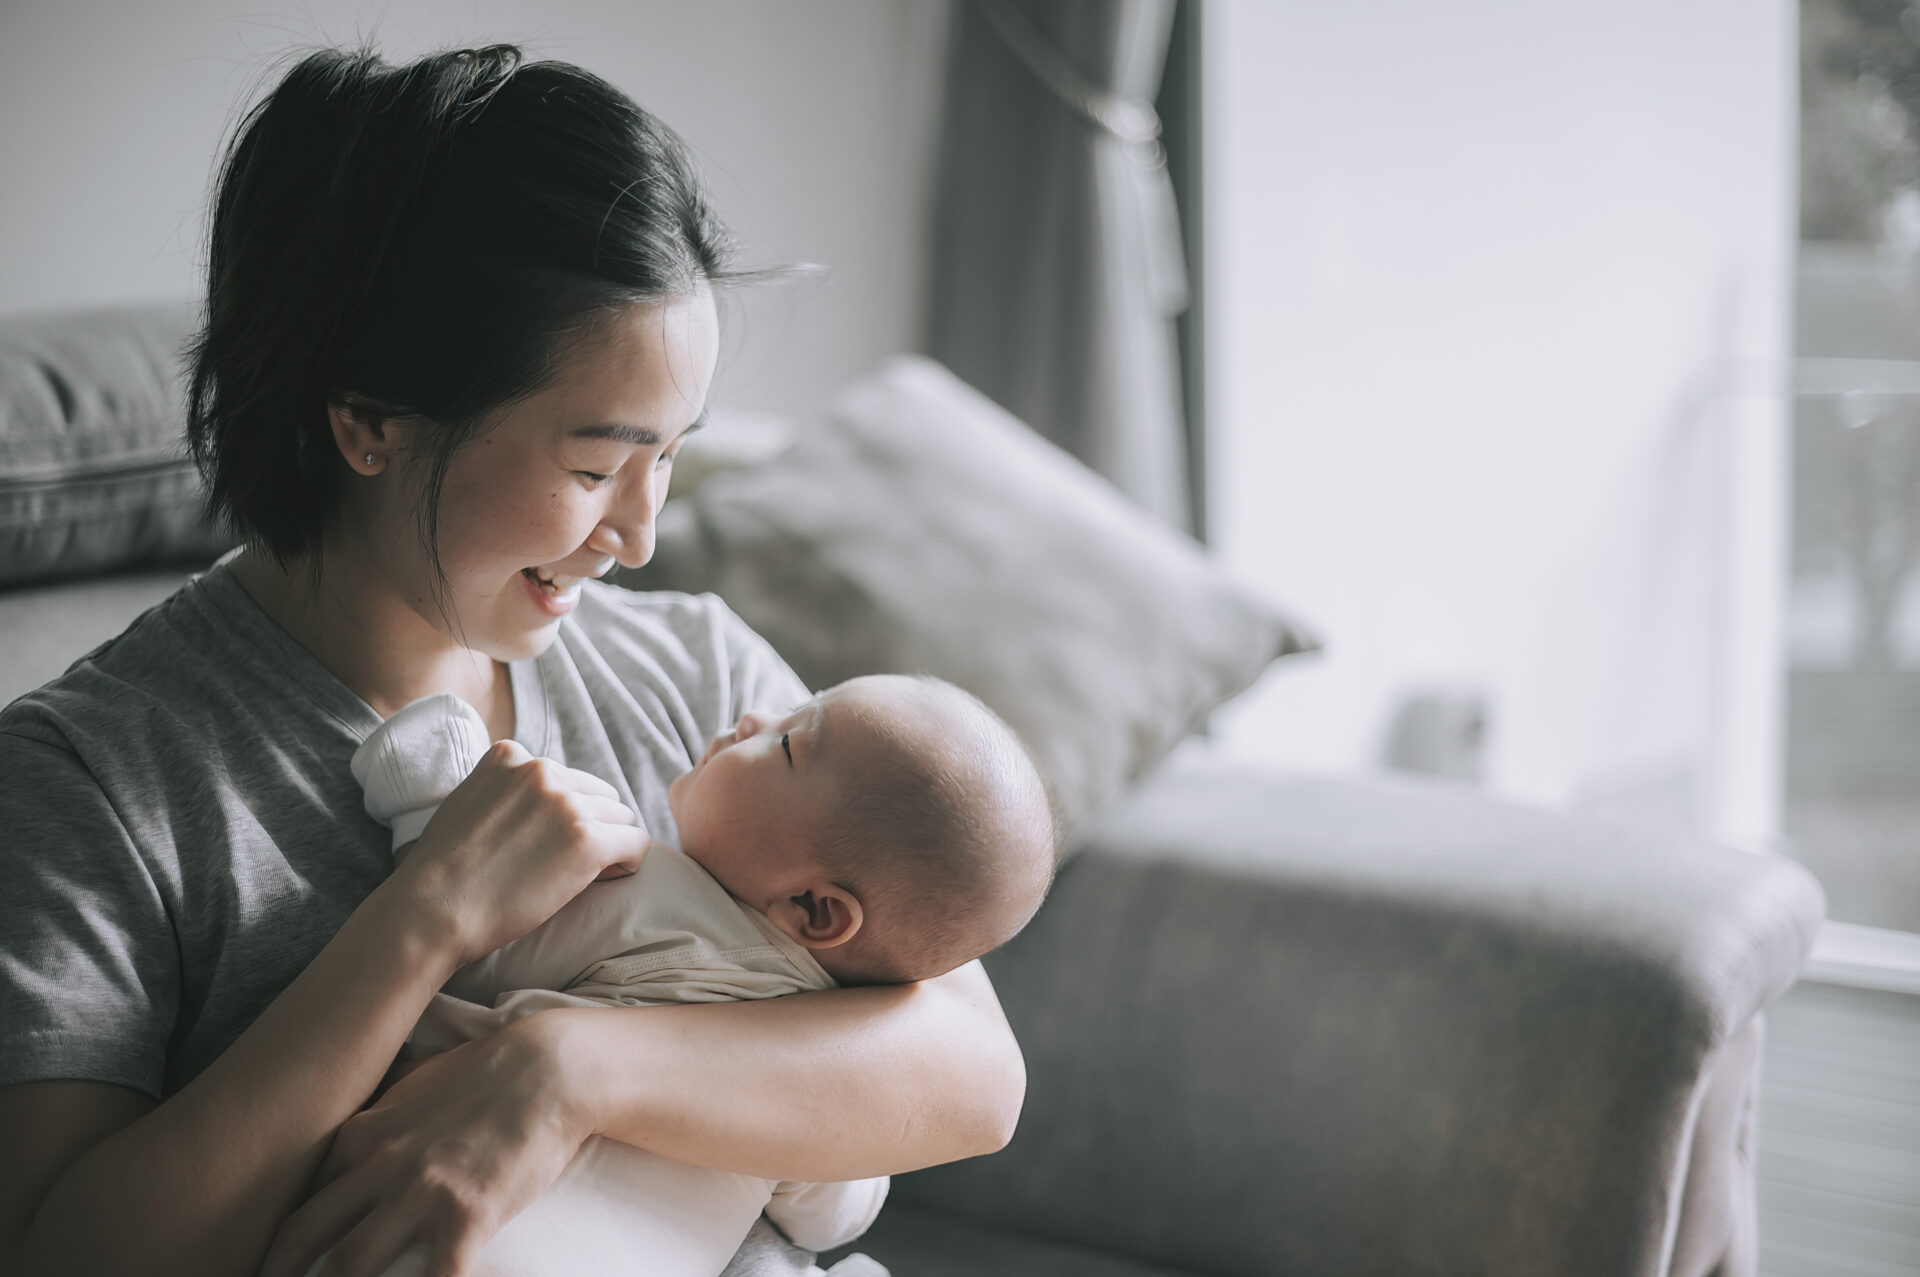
<point>559,486</point>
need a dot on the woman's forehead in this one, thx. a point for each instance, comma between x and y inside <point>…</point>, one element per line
<point>648,367</point>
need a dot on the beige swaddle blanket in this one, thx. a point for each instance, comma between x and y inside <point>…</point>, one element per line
<point>666,934</point>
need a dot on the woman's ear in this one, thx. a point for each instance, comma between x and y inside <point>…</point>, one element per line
<point>366,440</point>
<point>824,916</point>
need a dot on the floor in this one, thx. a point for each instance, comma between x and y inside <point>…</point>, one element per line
<point>1839,1165</point>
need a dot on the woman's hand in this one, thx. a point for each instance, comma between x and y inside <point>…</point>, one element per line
<point>515,841</point>
<point>452,1151</point>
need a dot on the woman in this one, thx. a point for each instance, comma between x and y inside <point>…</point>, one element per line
<point>460,319</point>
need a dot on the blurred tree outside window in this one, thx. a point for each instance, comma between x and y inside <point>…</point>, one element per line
<point>1852,784</point>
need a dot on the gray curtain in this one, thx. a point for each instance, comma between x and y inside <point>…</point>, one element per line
<point>1058,272</point>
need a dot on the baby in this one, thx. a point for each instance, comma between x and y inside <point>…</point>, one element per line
<point>888,830</point>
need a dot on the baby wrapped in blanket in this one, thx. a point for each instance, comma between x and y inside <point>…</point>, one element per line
<point>888,830</point>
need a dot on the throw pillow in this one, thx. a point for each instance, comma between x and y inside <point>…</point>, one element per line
<point>921,528</point>
<point>94,475</point>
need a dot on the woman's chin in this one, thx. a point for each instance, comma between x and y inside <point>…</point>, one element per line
<point>522,647</point>
<point>524,623</point>
<point>510,641</point>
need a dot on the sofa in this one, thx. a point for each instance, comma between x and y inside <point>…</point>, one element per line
<point>1275,1025</point>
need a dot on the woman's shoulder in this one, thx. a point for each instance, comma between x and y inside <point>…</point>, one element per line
<point>138,661</point>
<point>93,744</point>
<point>173,664</point>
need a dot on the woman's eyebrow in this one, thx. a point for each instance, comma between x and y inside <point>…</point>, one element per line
<point>621,432</point>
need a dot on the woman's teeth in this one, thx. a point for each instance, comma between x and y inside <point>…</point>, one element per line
<point>556,585</point>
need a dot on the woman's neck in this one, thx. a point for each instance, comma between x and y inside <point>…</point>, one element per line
<point>383,650</point>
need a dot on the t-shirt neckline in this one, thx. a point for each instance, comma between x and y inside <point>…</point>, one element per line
<point>268,642</point>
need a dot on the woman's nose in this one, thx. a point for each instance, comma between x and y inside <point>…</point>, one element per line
<point>626,529</point>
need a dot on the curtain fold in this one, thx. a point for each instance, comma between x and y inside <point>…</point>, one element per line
<point>1058,268</point>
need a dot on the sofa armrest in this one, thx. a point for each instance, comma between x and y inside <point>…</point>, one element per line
<point>1277,1025</point>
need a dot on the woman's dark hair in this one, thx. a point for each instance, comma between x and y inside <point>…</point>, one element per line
<point>415,243</point>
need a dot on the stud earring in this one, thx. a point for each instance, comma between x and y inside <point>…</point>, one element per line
<point>371,458</point>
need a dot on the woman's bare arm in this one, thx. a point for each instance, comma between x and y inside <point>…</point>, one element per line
<point>198,1183</point>
<point>50,1125</point>
<point>839,1085</point>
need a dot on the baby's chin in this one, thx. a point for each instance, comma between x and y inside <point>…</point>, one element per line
<point>734,889</point>
<point>693,854</point>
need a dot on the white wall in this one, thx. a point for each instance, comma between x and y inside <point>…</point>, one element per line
<point>814,124</point>
<point>1497,309</point>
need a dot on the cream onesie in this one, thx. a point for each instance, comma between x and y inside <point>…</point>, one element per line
<point>668,933</point>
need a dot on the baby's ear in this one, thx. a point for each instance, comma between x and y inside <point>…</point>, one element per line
<point>824,916</point>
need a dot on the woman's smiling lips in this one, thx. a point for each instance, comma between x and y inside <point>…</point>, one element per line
<point>555,593</point>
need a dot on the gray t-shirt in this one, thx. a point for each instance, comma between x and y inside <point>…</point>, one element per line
<point>180,834</point>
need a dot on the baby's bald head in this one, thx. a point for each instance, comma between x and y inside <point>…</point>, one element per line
<point>939,823</point>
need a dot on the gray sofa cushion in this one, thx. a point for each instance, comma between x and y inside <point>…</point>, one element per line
<point>921,528</point>
<point>1293,1026</point>
<point>45,628</point>
<point>94,474</point>
<point>913,1242</point>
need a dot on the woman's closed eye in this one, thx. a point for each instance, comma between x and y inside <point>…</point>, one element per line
<point>595,478</point>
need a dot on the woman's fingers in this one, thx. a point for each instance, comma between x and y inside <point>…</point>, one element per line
<point>338,1158</point>
<point>628,862</point>
<point>558,792</point>
<point>608,811</point>
<point>556,776</point>
<point>354,1143</point>
<point>622,852</point>
<point>374,1243</point>
<point>357,1233</point>
<point>588,783</point>
<point>445,1157</point>
<point>513,843</point>
<point>454,1254</point>
<point>307,1233</point>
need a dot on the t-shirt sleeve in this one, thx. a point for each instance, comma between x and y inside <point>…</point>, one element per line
<point>760,679</point>
<point>89,969</point>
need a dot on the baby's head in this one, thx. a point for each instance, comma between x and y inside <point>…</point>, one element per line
<point>894,825</point>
